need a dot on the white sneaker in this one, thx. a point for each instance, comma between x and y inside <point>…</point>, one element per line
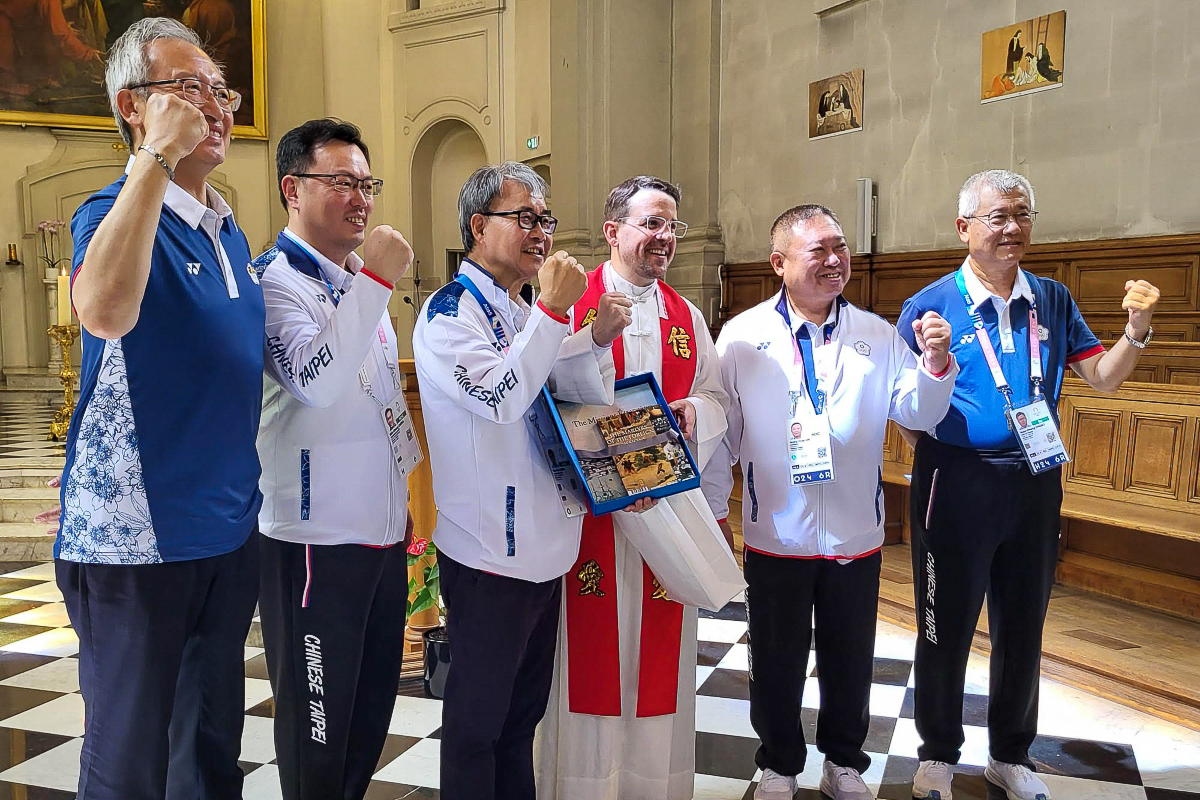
<point>773,786</point>
<point>843,783</point>
<point>932,781</point>
<point>1018,781</point>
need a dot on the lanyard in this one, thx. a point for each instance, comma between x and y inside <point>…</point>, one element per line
<point>303,262</point>
<point>802,349</point>
<point>493,318</point>
<point>989,351</point>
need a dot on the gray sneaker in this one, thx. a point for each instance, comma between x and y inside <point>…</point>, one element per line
<point>932,781</point>
<point>843,783</point>
<point>1018,781</point>
<point>773,786</point>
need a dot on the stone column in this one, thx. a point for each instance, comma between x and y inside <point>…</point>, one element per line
<point>620,108</point>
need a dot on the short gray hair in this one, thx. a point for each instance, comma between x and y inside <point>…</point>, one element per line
<point>485,185</point>
<point>1001,181</point>
<point>127,62</point>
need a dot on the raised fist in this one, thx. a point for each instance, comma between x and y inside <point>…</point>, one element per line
<point>173,126</point>
<point>387,254</point>
<point>614,312</point>
<point>1141,297</point>
<point>933,338</point>
<point>563,282</point>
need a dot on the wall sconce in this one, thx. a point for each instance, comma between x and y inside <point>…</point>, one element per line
<point>13,261</point>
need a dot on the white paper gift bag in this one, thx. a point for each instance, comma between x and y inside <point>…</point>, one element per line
<point>680,541</point>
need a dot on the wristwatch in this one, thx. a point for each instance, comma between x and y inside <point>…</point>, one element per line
<point>1140,345</point>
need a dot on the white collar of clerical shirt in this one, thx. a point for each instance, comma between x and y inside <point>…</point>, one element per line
<point>613,282</point>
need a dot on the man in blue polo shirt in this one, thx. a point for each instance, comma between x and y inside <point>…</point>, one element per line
<point>155,554</point>
<point>987,483</point>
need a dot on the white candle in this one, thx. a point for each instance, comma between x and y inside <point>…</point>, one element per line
<point>64,300</point>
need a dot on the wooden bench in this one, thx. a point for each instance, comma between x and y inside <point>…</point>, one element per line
<point>1131,506</point>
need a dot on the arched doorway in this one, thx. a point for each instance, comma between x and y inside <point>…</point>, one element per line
<point>443,160</point>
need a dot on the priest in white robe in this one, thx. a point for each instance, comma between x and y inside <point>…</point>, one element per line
<point>621,722</point>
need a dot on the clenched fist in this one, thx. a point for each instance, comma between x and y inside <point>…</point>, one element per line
<point>174,127</point>
<point>614,312</point>
<point>387,254</point>
<point>563,282</point>
<point>1140,299</point>
<point>933,338</point>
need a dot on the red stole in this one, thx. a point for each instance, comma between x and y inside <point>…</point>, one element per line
<point>594,659</point>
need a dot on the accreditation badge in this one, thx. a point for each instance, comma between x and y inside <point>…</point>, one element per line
<point>406,450</point>
<point>1038,434</point>
<point>810,458</point>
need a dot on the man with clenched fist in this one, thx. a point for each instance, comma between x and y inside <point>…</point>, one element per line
<point>335,495</point>
<point>987,490</point>
<point>599,739</point>
<point>482,357</point>
<point>812,382</point>
<point>156,554</point>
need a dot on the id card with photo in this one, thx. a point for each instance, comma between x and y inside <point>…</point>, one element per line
<point>406,449</point>
<point>810,457</point>
<point>1039,436</point>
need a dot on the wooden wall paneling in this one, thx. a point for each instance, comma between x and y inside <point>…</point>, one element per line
<point>1096,284</point>
<point>1154,457</point>
<point>1093,435</point>
<point>1192,479</point>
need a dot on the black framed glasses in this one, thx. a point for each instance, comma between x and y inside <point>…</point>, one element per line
<point>341,182</point>
<point>655,225</point>
<point>197,91</point>
<point>999,222</point>
<point>527,219</point>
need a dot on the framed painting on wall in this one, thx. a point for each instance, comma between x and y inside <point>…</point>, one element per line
<point>1022,58</point>
<point>52,56</point>
<point>835,105</point>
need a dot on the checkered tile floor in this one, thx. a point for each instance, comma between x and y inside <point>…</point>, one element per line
<point>24,428</point>
<point>1088,748</point>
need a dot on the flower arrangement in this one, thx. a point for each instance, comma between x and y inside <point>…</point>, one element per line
<point>51,251</point>
<point>420,598</point>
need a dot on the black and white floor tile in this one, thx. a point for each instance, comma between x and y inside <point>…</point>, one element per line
<point>25,431</point>
<point>1088,748</point>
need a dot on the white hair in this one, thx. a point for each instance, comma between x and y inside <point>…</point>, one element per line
<point>1001,181</point>
<point>128,64</point>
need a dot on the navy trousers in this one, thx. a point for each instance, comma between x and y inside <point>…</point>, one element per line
<point>162,673</point>
<point>503,633</point>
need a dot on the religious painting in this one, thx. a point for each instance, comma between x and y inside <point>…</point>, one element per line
<point>52,56</point>
<point>1022,58</point>
<point>835,105</point>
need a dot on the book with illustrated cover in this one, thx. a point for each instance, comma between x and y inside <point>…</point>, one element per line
<point>628,450</point>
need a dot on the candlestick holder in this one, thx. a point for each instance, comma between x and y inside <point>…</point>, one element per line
<point>65,335</point>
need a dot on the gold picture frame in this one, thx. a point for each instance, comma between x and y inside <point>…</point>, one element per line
<point>56,79</point>
<point>1023,58</point>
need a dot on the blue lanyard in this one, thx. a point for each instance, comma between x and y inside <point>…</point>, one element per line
<point>303,262</point>
<point>493,318</point>
<point>804,347</point>
<point>989,351</point>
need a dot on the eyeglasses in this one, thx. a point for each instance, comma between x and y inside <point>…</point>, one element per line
<point>197,91</point>
<point>527,219</point>
<point>655,225</point>
<point>343,183</point>
<point>999,222</point>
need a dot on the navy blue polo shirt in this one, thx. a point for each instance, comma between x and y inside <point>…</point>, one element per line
<point>976,416</point>
<point>161,459</point>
